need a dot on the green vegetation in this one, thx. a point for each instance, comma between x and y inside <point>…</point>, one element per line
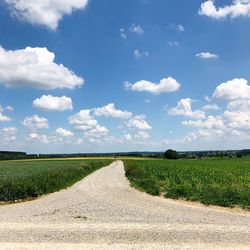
<point>171,154</point>
<point>24,179</point>
<point>224,182</point>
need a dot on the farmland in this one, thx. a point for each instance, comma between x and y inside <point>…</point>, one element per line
<point>224,182</point>
<point>26,179</point>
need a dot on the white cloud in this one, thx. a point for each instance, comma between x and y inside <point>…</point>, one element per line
<point>207,55</point>
<point>110,111</point>
<point>79,141</point>
<point>123,34</point>
<point>127,137</point>
<point>166,85</point>
<point>4,118</point>
<point>204,135</point>
<point>83,120</point>
<point>177,27</point>
<point>135,28</point>
<point>138,54</point>
<point>35,122</point>
<point>207,98</point>
<point>138,122</point>
<point>236,9</point>
<point>7,135</point>
<point>44,12</point>
<point>35,67</point>
<point>173,43</point>
<point>184,108</point>
<point>97,133</point>
<point>63,132</point>
<point>59,136</point>
<point>9,108</point>
<point>9,130</point>
<point>237,88</point>
<point>53,103</point>
<point>239,105</point>
<point>211,122</point>
<point>211,106</point>
<point>142,135</point>
<point>233,123</point>
<point>34,137</point>
<point>237,119</point>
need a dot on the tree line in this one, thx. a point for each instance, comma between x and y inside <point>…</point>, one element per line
<point>169,154</point>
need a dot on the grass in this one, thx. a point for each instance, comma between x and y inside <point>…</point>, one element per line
<point>26,179</point>
<point>223,182</point>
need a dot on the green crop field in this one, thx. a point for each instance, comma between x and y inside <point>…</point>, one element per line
<point>25,179</point>
<point>224,182</point>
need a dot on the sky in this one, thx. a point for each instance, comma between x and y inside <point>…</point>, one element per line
<point>135,75</point>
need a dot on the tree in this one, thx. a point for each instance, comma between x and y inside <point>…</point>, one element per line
<point>171,154</point>
<point>239,154</point>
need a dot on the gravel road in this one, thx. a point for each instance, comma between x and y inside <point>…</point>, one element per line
<point>103,212</point>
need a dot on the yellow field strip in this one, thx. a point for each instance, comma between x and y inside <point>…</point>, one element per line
<point>86,158</point>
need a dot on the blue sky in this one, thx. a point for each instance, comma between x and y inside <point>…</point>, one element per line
<point>103,76</point>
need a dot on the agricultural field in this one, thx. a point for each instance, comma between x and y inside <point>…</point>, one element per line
<point>25,179</point>
<point>224,182</point>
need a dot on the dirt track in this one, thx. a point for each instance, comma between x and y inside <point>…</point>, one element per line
<point>103,212</point>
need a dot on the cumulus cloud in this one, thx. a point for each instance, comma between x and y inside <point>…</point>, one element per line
<point>142,135</point>
<point>83,120</point>
<point>8,134</point>
<point>173,43</point>
<point>127,137</point>
<point>63,132</point>
<point>44,12</point>
<point>35,122</point>
<point>237,119</point>
<point>110,111</point>
<point>9,130</point>
<point>239,105</point>
<point>35,67</point>
<point>211,106</point>
<point>123,33</point>
<point>184,107</point>
<point>59,136</point>
<point>9,108</point>
<point>53,103</point>
<point>211,122</point>
<point>177,27</point>
<point>236,9</point>
<point>237,88</point>
<point>97,132</point>
<point>136,28</point>
<point>207,55</point>
<point>234,122</point>
<point>34,137</point>
<point>166,85</point>
<point>138,122</point>
<point>139,54</point>
<point>4,118</point>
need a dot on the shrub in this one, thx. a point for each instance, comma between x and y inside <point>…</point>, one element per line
<point>171,154</point>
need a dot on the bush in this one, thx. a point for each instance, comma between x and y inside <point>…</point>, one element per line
<point>171,154</point>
